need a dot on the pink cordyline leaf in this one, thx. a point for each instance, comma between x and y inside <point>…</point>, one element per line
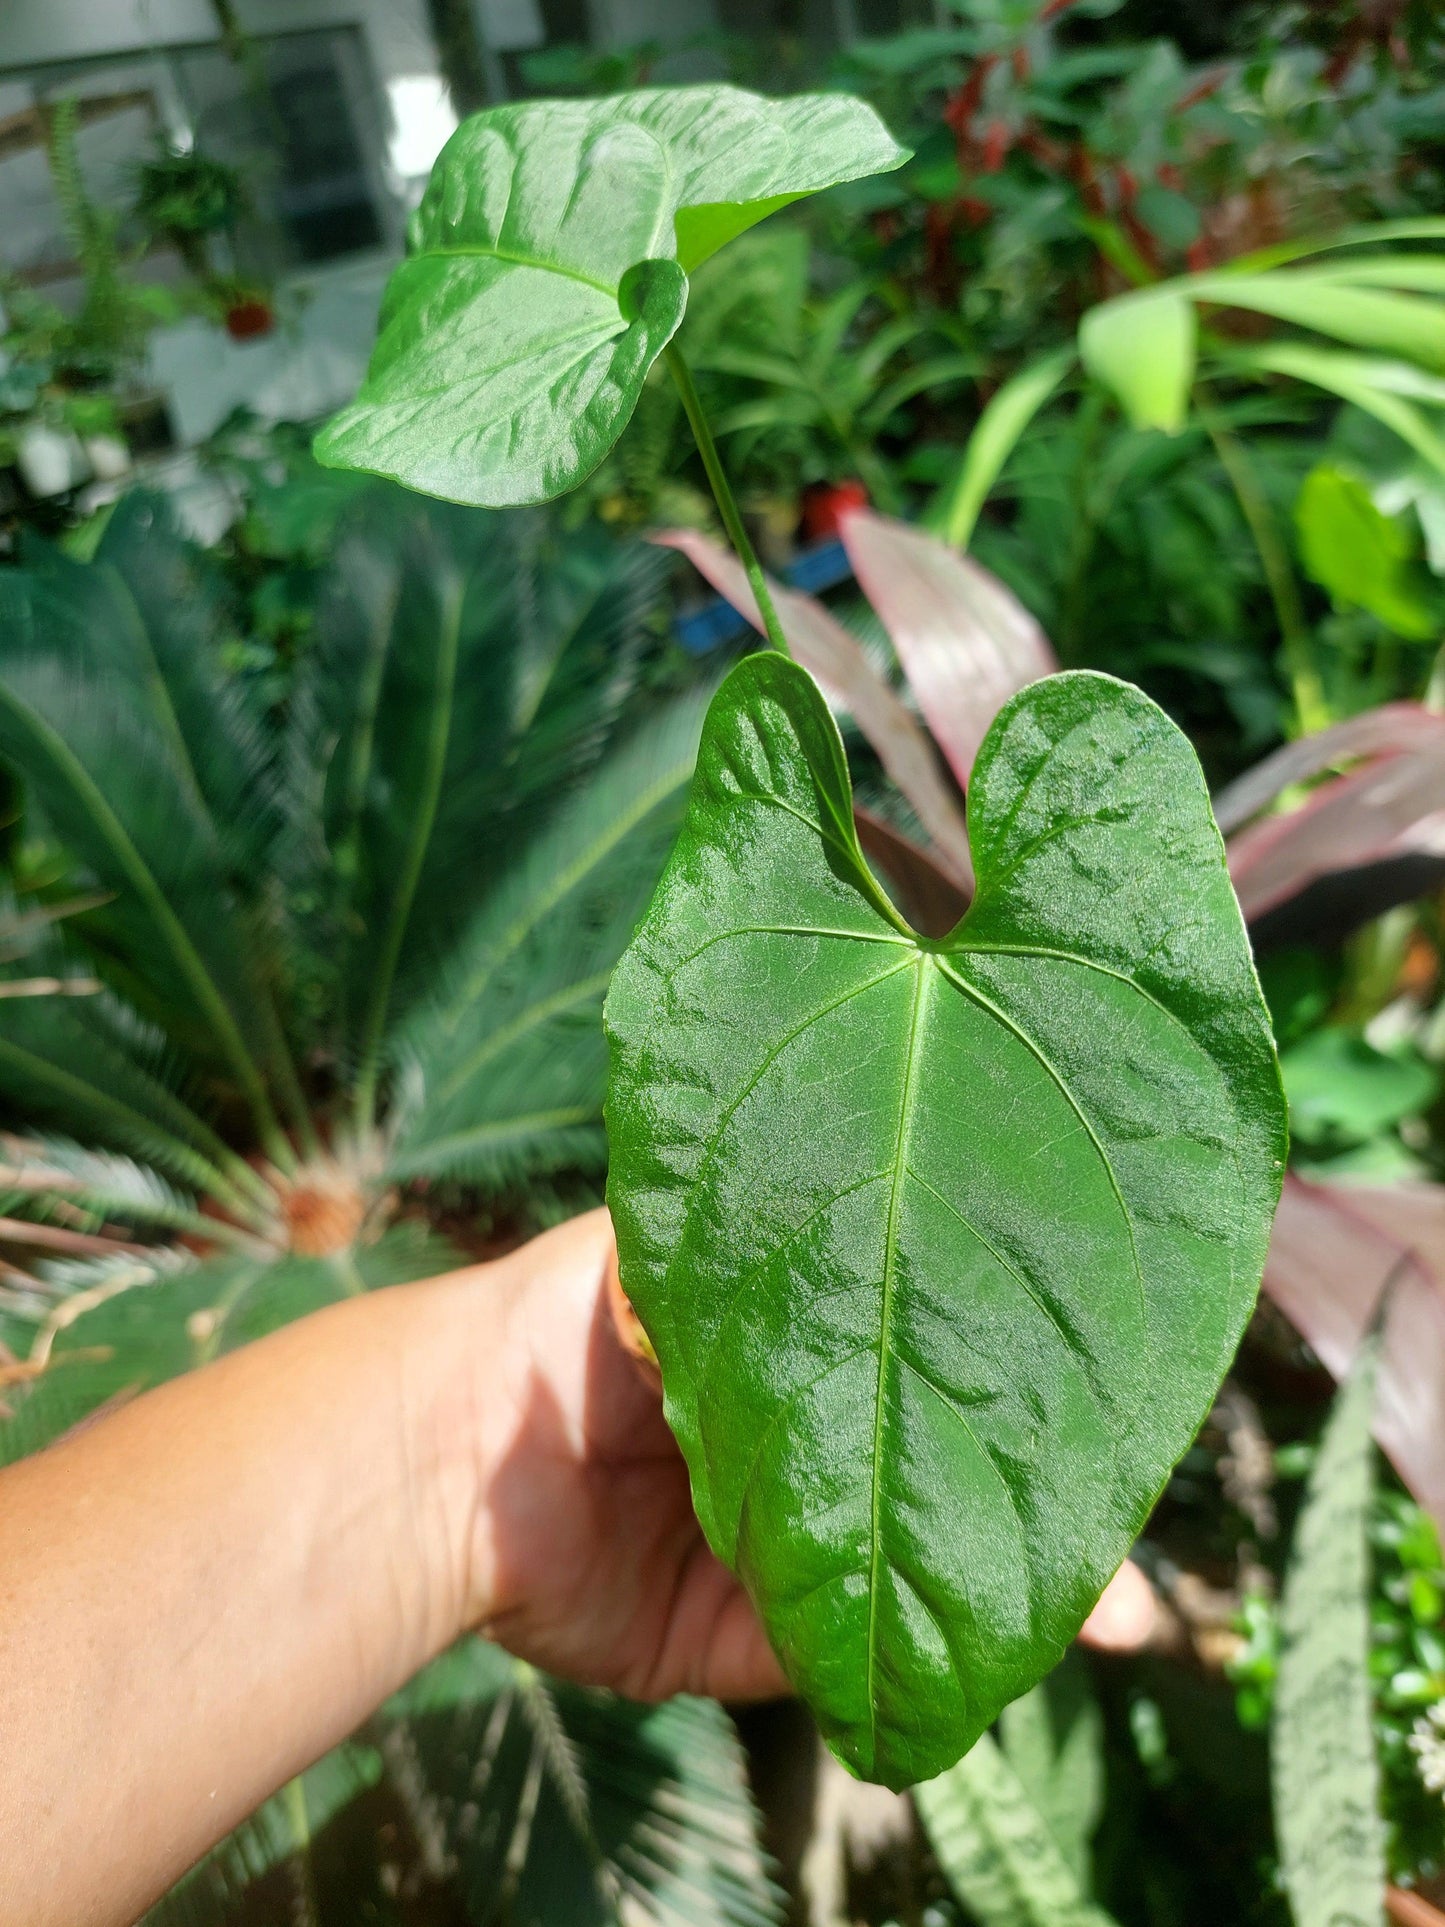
<point>843,670</point>
<point>1394,806</point>
<point>966,642</point>
<point>1386,731</point>
<point>1335,1249</point>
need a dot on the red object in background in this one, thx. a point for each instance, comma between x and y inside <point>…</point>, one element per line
<point>826,503</point>
<point>247,319</point>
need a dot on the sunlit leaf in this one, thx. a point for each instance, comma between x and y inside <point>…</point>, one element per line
<point>943,1247</point>
<point>1142,348</point>
<point>1364,558</point>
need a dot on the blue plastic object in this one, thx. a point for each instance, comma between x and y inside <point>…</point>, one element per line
<point>822,567</point>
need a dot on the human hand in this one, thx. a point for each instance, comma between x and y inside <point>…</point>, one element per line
<point>586,1557</point>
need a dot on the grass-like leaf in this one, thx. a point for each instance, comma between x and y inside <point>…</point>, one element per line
<point>1322,1747</point>
<point>996,1848</point>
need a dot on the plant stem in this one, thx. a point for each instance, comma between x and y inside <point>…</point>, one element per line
<point>724,497</point>
<point>1312,712</point>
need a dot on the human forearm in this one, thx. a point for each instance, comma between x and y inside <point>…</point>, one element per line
<point>205,1590</point>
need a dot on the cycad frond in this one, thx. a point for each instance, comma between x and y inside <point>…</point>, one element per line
<point>557,1803</point>
<point>91,1065</point>
<point>89,719</point>
<point>507,1063</point>
<point>261,1872</point>
<point>113,1328</point>
<point>100,1186</point>
<point>465,674</point>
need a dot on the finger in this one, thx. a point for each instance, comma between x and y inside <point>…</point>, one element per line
<point>1125,1616</point>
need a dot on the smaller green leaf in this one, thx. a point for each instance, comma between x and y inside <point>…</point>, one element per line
<point>1364,558</point>
<point>1322,1752</point>
<point>1142,347</point>
<point>996,1848</point>
<point>549,268</point>
<point>1053,1738</point>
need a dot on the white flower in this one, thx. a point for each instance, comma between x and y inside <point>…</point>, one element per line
<point>1427,1743</point>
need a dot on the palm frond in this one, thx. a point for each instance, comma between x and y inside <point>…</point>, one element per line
<point>506,1064</point>
<point>557,1803</point>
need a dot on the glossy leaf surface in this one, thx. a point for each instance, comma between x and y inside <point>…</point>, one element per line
<point>548,270</point>
<point>943,1247</point>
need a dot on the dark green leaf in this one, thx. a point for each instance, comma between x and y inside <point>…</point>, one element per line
<point>944,1247</point>
<point>1322,1749</point>
<point>506,1064</point>
<point>549,269</point>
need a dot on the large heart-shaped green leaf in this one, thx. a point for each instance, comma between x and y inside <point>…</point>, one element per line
<point>944,1245</point>
<point>548,270</point>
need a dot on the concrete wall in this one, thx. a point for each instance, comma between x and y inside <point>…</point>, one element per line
<point>310,365</point>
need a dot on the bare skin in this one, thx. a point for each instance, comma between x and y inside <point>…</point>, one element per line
<point>205,1590</point>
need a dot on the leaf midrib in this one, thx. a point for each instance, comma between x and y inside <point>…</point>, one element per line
<point>511,260</point>
<point>925,976</point>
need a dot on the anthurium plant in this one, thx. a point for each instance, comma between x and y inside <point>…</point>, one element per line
<point>943,1244</point>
